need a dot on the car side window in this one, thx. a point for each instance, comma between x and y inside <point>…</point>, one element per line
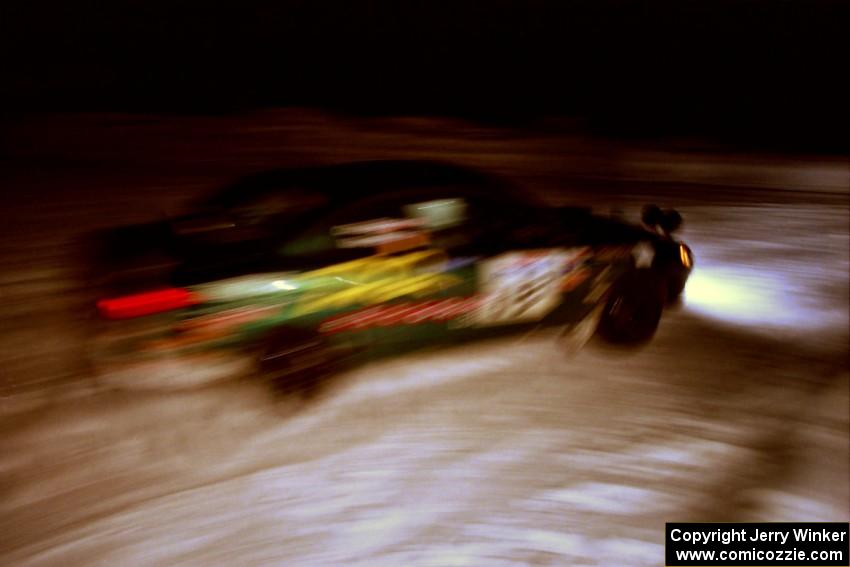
<point>462,221</point>
<point>318,238</point>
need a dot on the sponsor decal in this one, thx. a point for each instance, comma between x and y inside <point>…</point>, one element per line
<point>209,327</point>
<point>377,226</point>
<point>408,313</point>
<point>378,267</point>
<point>524,286</point>
<point>514,287</point>
<point>380,291</point>
<point>386,235</point>
<point>379,280</point>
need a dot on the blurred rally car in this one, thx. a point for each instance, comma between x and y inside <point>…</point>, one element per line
<point>290,272</point>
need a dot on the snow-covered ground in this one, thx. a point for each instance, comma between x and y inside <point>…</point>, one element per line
<point>508,452</point>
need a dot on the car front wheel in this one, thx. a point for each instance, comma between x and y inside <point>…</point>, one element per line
<point>633,308</point>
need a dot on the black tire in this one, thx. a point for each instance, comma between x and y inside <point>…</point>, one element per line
<point>295,361</point>
<point>633,308</point>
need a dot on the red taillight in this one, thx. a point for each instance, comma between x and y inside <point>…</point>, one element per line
<point>147,303</point>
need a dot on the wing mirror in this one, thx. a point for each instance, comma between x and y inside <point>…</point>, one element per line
<point>654,217</point>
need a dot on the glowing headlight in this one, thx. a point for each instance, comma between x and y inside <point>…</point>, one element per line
<point>685,256</point>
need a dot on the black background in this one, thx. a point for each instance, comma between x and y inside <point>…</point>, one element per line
<point>745,70</point>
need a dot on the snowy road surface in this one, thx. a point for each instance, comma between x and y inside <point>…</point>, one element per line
<point>508,452</point>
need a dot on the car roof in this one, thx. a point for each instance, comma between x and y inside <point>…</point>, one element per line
<point>352,181</point>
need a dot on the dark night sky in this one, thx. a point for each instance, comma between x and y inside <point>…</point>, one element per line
<point>770,69</point>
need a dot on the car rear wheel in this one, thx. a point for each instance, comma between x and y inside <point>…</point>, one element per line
<point>296,362</point>
<point>633,309</point>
